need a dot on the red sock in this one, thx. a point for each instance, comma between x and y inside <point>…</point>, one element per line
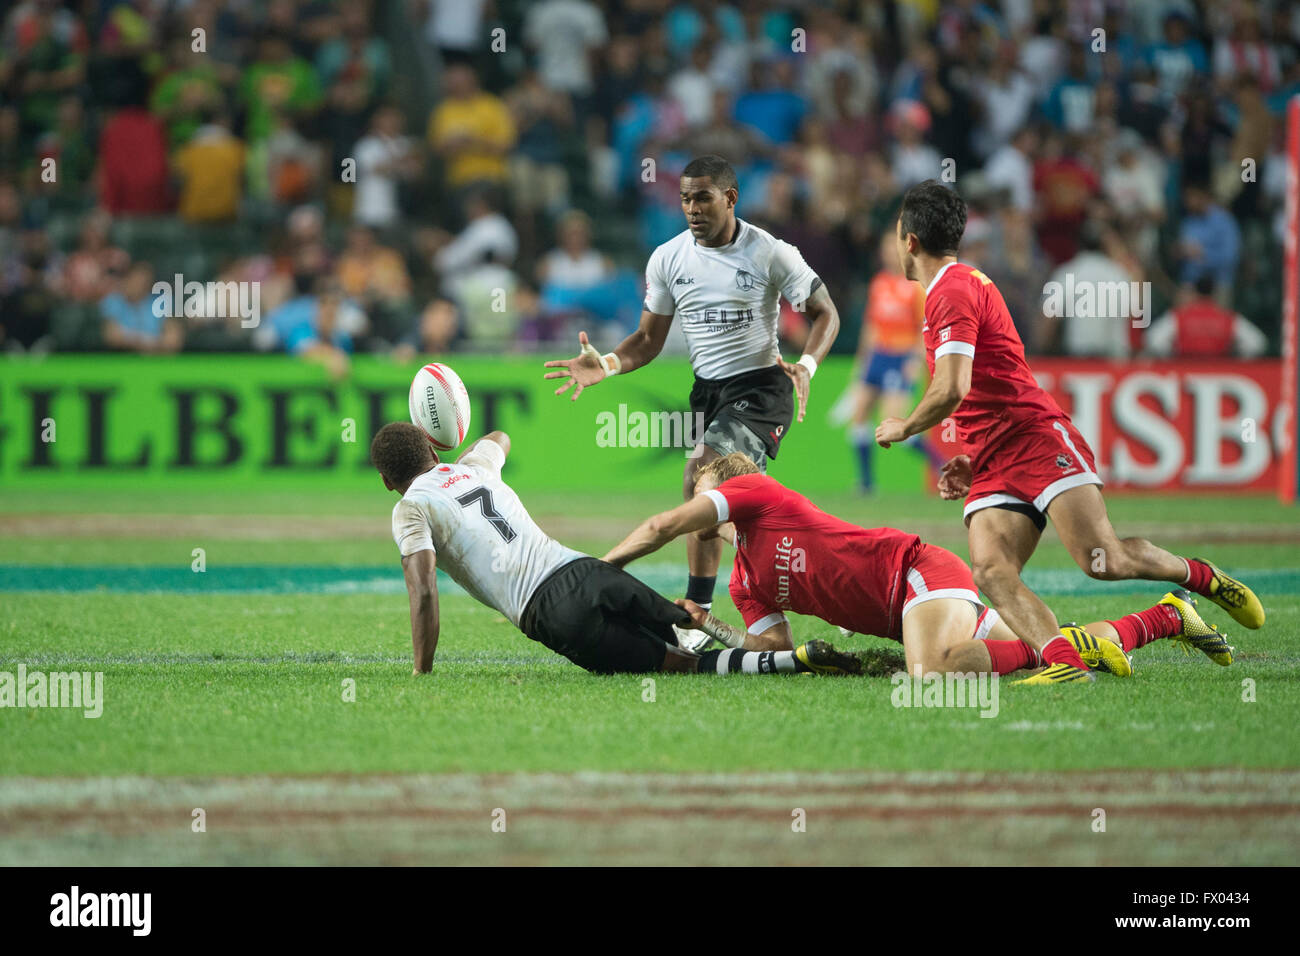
<point>1199,576</point>
<point>1060,651</point>
<point>1010,656</point>
<point>1140,629</point>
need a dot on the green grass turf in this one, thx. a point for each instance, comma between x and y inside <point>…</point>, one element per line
<point>237,684</point>
<point>211,686</point>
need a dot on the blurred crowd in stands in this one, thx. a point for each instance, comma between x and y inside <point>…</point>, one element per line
<point>413,176</point>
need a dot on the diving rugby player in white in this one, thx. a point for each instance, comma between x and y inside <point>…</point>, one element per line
<point>724,277</point>
<point>598,616</point>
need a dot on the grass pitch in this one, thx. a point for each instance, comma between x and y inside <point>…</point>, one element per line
<point>272,691</point>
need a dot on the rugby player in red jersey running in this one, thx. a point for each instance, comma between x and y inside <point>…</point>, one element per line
<point>791,556</point>
<point>1024,460</point>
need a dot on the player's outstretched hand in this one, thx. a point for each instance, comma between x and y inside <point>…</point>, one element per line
<point>801,378</point>
<point>955,478</point>
<point>891,430</point>
<point>583,370</point>
<point>698,614</point>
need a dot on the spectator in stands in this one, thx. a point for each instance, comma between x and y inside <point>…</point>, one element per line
<point>319,324</point>
<point>851,123</point>
<point>286,166</point>
<point>485,293</point>
<point>435,330</point>
<point>1134,185</point>
<point>94,268</point>
<point>692,87</point>
<point>386,158</point>
<point>721,135</point>
<point>913,159</point>
<point>45,56</point>
<point>471,130</point>
<point>1090,326</point>
<point>1246,53</point>
<point>131,322</point>
<point>1064,186</point>
<point>543,117</point>
<point>278,83</point>
<point>1011,169</point>
<point>1199,327</point>
<point>1006,97</point>
<point>373,276</point>
<point>1179,58</point>
<point>773,106</point>
<point>27,307</point>
<point>565,33</point>
<point>487,235</point>
<point>1209,240</point>
<point>68,146</point>
<point>211,172</point>
<point>1069,104</point>
<point>573,264</point>
<point>133,173</point>
<point>188,93</point>
<point>454,28</point>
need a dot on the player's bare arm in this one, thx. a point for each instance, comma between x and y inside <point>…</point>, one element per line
<point>778,637</point>
<point>420,571</point>
<point>652,534</point>
<point>497,437</point>
<point>825,327</point>
<point>949,386</point>
<point>589,367</point>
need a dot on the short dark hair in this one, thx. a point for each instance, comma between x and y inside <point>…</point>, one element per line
<point>400,451</point>
<point>936,215</point>
<point>715,168</point>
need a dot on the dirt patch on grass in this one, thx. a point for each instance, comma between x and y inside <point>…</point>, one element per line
<point>1188,817</point>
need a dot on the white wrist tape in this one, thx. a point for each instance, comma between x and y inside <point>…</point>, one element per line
<point>810,363</point>
<point>612,363</point>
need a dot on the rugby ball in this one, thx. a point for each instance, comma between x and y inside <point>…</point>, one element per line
<point>440,406</point>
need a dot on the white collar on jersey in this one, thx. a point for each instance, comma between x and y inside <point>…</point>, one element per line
<point>938,275</point>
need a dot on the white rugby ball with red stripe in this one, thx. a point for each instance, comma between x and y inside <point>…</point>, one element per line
<point>440,405</point>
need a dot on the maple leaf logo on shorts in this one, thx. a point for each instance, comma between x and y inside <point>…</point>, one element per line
<point>1064,462</point>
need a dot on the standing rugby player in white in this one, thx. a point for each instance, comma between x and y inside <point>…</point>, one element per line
<point>724,277</point>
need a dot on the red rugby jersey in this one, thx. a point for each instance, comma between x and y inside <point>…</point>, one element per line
<point>792,556</point>
<point>965,314</point>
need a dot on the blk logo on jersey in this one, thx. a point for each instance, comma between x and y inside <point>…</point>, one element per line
<point>741,405</point>
<point>682,280</point>
<point>744,280</point>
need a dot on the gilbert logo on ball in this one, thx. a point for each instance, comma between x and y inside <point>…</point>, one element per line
<point>439,406</point>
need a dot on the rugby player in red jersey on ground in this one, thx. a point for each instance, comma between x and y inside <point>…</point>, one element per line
<point>791,556</point>
<point>1024,460</point>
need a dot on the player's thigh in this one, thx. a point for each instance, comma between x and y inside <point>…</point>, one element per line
<point>1001,542</point>
<point>1083,525</point>
<point>931,628</point>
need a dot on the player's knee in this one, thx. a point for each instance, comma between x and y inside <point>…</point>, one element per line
<point>994,578</point>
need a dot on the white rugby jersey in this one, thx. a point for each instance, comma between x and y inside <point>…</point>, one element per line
<point>728,297</point>
<point>479,530</point>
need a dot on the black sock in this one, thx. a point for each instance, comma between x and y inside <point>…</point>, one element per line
<point>700,590</point>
